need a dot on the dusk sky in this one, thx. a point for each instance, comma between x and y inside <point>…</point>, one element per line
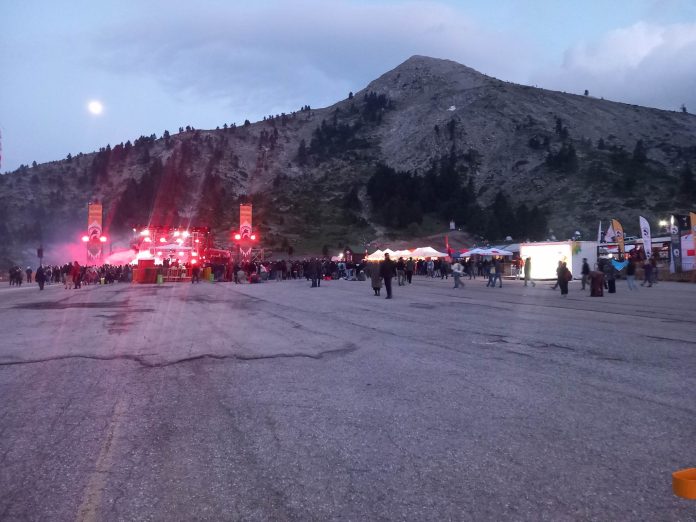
<point>160,65</point>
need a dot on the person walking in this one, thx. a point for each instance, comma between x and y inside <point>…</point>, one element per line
<point>410,267</point>
<point>76,275</point>
<point>564,278</point>
<point>610,275</point>
<point>386,270</point>
<point>653,264</point>
<point>631,274</point>
<point>28,271</point>
<point>498,272</point>
<point>491,276</point>
<point>40,277</point>
<point>647,272</point>
<point>195,274</point>
<point>559,269</point>
<point>585,272</point>
<point>401,272</point>
<point>457,272</point>
<point>528,272</point>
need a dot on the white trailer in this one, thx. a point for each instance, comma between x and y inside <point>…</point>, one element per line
<point>546,255</point>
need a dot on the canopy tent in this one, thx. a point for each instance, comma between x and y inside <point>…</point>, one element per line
<point>498,252</point>
<point>427,252</point>
<point>510,247</point>
<point>377,255</point>
<point>487,252</point>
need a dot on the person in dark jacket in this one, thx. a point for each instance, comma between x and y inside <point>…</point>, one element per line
<point>585,272</point>
<point>315,270</point>
<point>559,269</point>
<point>410,267</point>
<point>40,277</point>
<point>564,277</point>
<point>386,270</point>
<point>610,276</point>
<point>631,274</point>
<point>528,272</point>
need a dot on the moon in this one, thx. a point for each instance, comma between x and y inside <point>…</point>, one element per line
<point>95,107</point>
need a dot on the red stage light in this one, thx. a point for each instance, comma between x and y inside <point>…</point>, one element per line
<point>253,237</point>
<point>194,261</point>
<point>147,240</point>
<point>163,240</point>
<point>102,239</point>
<point>85,238</point>
<point>237,237</point>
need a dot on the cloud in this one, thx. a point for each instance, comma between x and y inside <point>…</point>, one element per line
<point>281,55</point>
<point>646,64</point>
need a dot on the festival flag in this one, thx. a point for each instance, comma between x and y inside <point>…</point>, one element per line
<point>647,239</point>
<point>692,215</point>
<point>447,246</point>
<point>94,230</point>
<point>245,210</point>
<point>609,234</point>
<point>618,233</point>
<point>599,232</point>
<point>675,265</point>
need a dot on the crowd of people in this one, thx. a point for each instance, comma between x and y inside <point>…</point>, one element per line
<point>70,275</point>
<point>379,273</point>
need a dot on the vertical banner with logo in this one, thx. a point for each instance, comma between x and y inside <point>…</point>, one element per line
<point>245,220</point>
<point>599,232</point>
<point>647,239</point>
<point>688,250</point>
<point>618,232</point>
<point>94,230</point>
<point>609,234</point>
<point>675,245</point>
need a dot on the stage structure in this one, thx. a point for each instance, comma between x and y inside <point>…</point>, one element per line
<point>173,245</point>
<point>94,239</point>
<point>245,239</point>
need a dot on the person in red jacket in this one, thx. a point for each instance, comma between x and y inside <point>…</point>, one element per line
<point>75,273</point>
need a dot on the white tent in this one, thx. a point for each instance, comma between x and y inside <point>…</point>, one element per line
<point>498,252</point>
<point>427,252</point>
<point>377,255</point>
<point>402,253</point>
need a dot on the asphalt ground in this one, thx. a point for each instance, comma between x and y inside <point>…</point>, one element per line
<point>279,401</point>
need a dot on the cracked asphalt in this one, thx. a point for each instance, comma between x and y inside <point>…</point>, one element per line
<point>282,402</point>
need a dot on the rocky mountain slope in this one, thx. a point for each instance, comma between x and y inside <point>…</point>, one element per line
<point>429,141</point>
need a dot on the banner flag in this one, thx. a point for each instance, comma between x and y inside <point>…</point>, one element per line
<point>94,230</point>
<point>688,242</point>
<point>675,245</point>
<point>647,238</point>
<point>609,234</point>
<point>618,232</point>
<point>692,215</point>
<point>245,220</point>
<point>599,232</point>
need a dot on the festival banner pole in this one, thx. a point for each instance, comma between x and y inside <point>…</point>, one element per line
<point>647,238</point>
<point>675,245</point>
<point>599,232</point>
<point>618,231</point>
